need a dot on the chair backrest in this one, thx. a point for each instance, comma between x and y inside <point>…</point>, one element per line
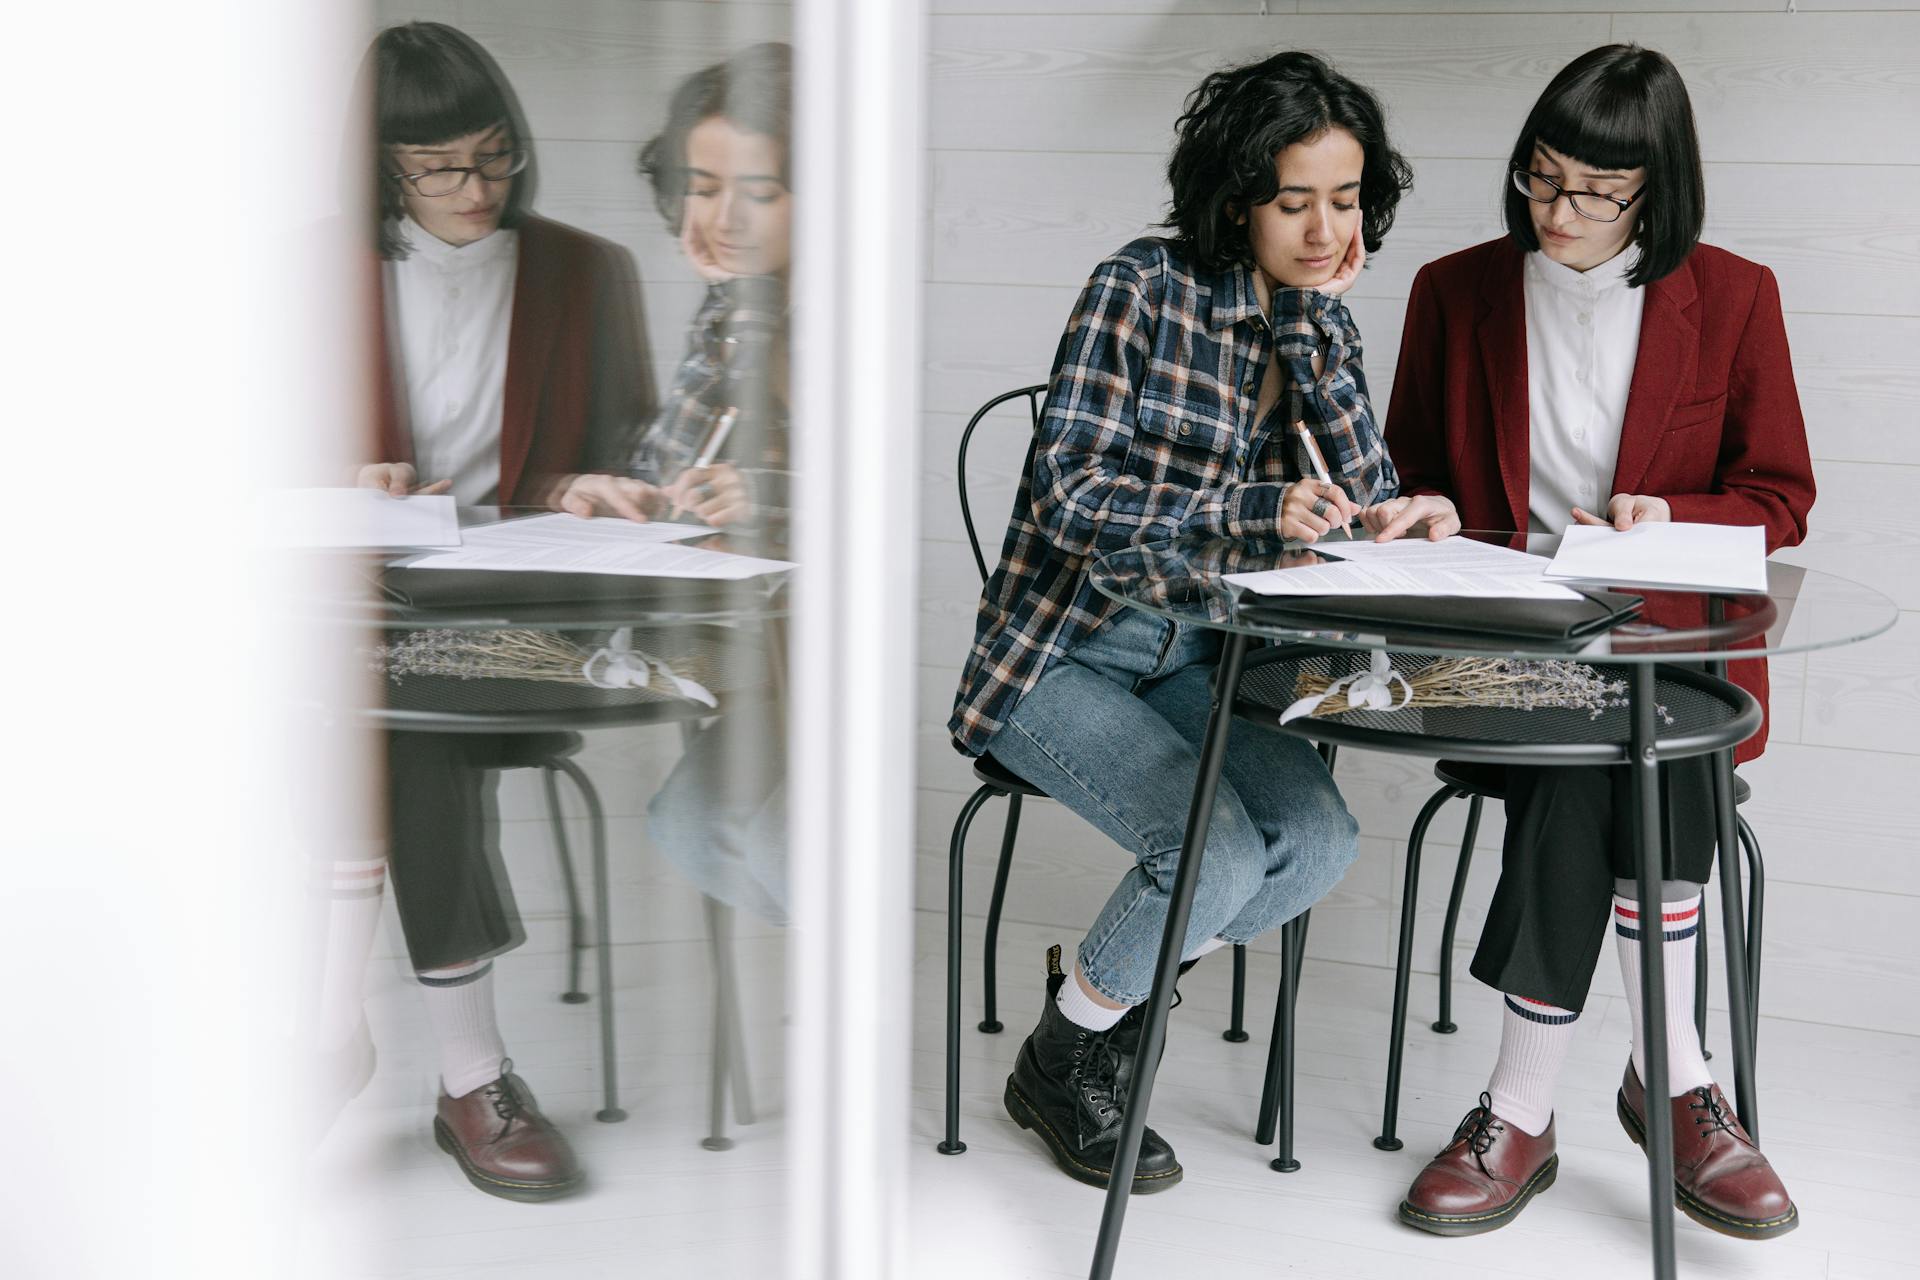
<point>1036,395</point>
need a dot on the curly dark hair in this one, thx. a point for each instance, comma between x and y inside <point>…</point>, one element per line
<point>753,89</point>
<point>1234,125</point>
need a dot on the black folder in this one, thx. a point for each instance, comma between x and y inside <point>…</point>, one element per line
<point>1542,620</point>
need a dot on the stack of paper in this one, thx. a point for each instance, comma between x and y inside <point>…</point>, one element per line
<point>1664,556</point>
<point>568,544</point>
<point>1456,566</point>
<point>345,518</point>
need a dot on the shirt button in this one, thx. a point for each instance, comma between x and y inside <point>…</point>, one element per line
<point>1583,319</point>
<point>1246,388</point>
<point>1581,377</point>
<point>1186,428</point>
<point>1579,435</point>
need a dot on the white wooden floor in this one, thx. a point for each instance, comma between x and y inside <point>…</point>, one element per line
<point>1841,1119</point>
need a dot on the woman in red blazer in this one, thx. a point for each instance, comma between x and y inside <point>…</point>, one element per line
<point>1597,365</point>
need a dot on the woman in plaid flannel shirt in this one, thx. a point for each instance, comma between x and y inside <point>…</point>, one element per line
<point>1183,366</point>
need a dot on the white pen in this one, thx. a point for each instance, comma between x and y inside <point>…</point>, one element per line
<point>1319,465</point>
<point>715,441</point>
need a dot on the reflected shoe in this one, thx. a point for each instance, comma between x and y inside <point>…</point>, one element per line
<point>1069,1085</point>
<point>1721,1179</point>
<point>1483,1178</point>
<point>503,1144</point>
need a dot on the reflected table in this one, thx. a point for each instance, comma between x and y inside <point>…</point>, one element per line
<point>492,652</point>
<point>1669,661</point>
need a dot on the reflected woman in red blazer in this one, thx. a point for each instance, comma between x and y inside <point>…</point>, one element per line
<point>1597,365</point>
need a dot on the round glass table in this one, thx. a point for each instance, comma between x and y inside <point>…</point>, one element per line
<point>1446,681</point>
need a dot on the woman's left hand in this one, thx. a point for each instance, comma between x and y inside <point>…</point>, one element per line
<point>1349,269</point>
<point>717,494</point>
<point>1625,510</point>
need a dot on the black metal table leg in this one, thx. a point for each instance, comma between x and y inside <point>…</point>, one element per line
<point>1649,860</point>
<point>610,1111</point>
<point>1739,1008</point>
<point>1293,949</point>
<point>1172,939</point>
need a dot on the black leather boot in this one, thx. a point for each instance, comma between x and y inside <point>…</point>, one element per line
<point>1069,1085</point>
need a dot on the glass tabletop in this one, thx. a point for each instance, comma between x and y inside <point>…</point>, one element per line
<point>1801,610</point>
<point>377,589</point>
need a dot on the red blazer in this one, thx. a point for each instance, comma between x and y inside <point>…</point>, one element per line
<point>579,384</point>
<point>1712,423</point>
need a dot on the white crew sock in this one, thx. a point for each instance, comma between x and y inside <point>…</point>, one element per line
<point>1081,1009</point>
<point>1534,1039</point>
<point>460,1005</point>
<point>353,914</point>
<point>1208,947</point>
<point>1680,921</point>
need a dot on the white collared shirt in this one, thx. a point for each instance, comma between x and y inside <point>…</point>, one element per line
<point>449,313</point>
<point>1583,336</point>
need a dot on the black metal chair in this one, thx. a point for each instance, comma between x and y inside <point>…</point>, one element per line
<point>1478,783</point>
<point>997,781</point>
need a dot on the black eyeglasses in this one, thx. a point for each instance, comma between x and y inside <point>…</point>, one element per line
<point>1591,205</point>
<point>444,182</point>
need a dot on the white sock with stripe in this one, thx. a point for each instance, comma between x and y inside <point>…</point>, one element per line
<point>353,891</point>
<point>460,1004</point>
<point>1534,1039</point>
<point>1680,921</point>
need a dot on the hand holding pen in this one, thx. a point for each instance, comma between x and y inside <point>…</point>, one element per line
<point>1314,506</point>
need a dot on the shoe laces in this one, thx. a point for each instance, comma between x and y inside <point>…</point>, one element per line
<point>1718,1115</point>
<point>1096,1075</point>
<point>1479,1127</point>
<point>505,1098</point>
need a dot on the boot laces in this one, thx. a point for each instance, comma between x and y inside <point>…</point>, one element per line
<point>1479,1127</point>
<point>1718,1117</point>
<point>1096,1075</point>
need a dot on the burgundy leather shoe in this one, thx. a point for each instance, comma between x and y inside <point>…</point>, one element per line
<point>1720,1177</point>
<point>503,1144</point>
<point>1484,1177</point>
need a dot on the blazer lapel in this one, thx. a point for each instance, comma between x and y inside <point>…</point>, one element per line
<point>530,338</point>
<point>1502,330</point>
<point>1669,350</point>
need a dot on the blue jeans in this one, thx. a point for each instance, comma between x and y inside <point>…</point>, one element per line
<point>1113,731</point>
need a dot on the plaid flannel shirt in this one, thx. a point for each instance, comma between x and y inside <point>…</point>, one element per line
<point>703,388</point>
<point>1149,433</point>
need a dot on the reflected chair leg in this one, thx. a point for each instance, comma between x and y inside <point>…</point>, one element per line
<point>1700,966</point>
<point>1444,1024</point>
<point>576,922</point>
<point>1756,902</point>
<point>720,1065</point>
<point>956,853</point>
<point>1236,1032</point>
<point>737,1068</point>
<point>1153,1031</point>
<point>989,957</point>
<point>1403,968</point>
<point>610,1111</point>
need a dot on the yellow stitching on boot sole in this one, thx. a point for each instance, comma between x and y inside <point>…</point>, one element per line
<point>1033,1113</point>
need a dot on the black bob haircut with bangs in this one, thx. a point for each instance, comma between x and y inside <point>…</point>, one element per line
<point>430,83</point>
<point>753,89</point>
<point>1622,107</point>
<point>1238,120</point>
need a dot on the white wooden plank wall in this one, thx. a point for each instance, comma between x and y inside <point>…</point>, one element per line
<point>1049,123</point>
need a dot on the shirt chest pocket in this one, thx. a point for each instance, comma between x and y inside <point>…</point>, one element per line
<point>1183,438</point>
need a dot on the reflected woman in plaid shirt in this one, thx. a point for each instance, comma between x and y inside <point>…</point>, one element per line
<point>1174,389</point>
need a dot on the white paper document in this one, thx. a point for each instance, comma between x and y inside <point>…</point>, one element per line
<point>1460,567</point>
<point>568,544</point>
<point>348,518</point>
<point>1660,555</point>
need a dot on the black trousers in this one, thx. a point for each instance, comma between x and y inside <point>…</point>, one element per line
<point>1569,836</point>
<point>451,889</point>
